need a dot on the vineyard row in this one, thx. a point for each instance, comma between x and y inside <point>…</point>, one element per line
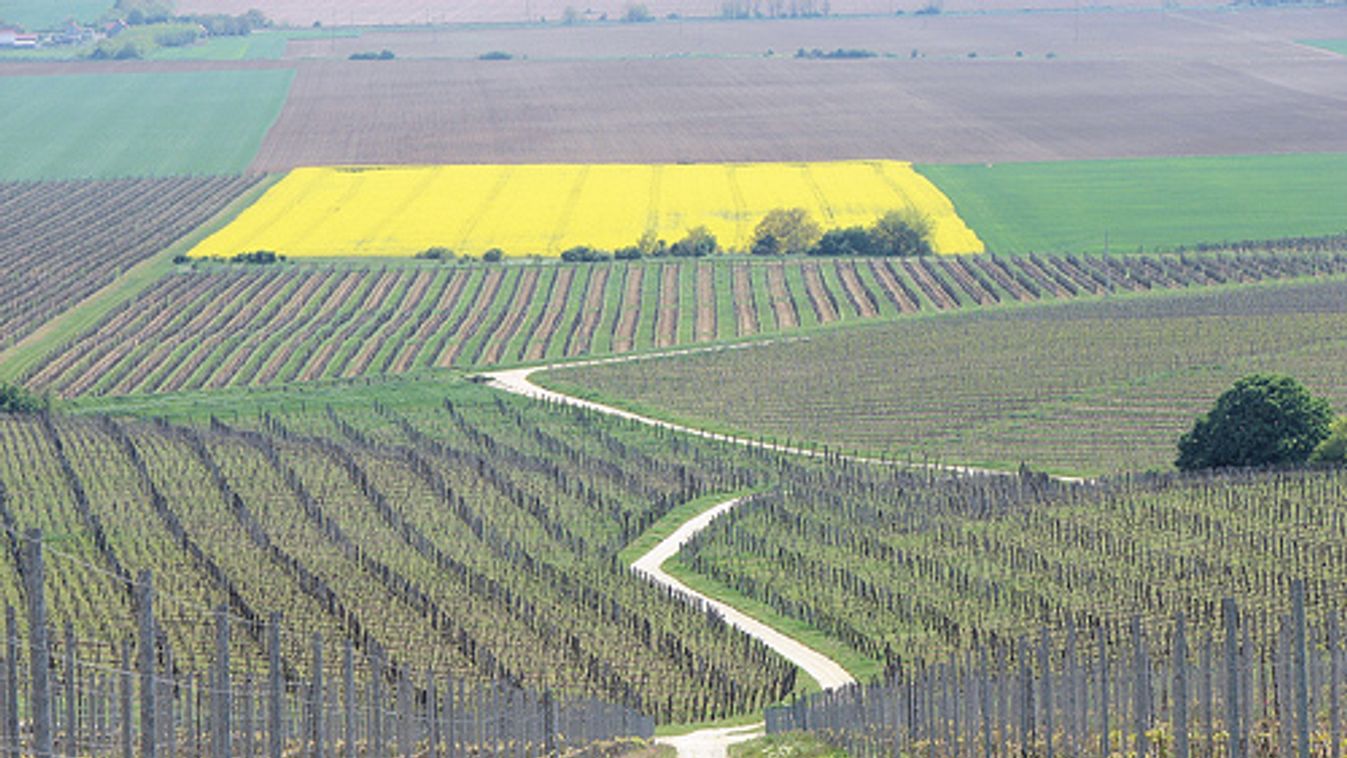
<point>223,328</point>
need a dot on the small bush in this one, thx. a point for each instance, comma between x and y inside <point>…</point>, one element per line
<point>261,257</point>
<point>382,55</point>
<point>1334,448</point>
<point>583,254</point>
<point>16,399</point>
<point>628,253</point>
<point>495,55</point>
<point>838,54</point>
<point>636,13</point>
<point>494,255</point>
<point>852,240</point>
<point>436,253</point>
<point>699,242</point>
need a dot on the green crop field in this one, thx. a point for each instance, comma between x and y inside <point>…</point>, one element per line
<point>147,124</point>
<point>1338,46</point>
<point>1081,388</point>
<point>1155,203</point>
<point>35,15</point>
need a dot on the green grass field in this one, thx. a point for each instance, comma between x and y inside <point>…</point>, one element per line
<point>153,124</point>
<point>35,15</point>
<point>1122,205</point>
<point>1338,46</point>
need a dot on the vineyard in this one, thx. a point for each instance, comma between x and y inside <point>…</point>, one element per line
<point>899,566</point>
<point>62,241</point>
<point>1084,387</point>
<point>224,327</point>
<point>476,537</point>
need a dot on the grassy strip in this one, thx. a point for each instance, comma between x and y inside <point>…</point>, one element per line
<point>791,745</point>
<point>669,522</point>
<point>17,360</point>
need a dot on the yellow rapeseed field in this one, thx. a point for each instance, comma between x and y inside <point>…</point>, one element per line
<point>544,209</point>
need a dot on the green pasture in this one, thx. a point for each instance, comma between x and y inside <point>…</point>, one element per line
<point>1160,203</point>
<point>1338,46</point>
<point>146,124</point>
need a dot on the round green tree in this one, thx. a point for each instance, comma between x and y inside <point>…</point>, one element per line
<point>1262,420</point>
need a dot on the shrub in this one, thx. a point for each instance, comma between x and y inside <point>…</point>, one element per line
<point>437,253</point>
<point>785,231</point>
<point>16,399</point>
<point>583,254</point>
<point>495,55</point>
<point>636,13</point>
<point>494,255</point>
<point>852,240</point>
<point>263,257</point>
<point>1334,447</point>
<point>382,55</point>
<point>698,242</point>
<point>1264,419</point>
<point>901,233</point>
<point>628,253</point>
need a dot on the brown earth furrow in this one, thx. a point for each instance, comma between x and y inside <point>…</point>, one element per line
<point>1102,277</point>
<point>131,313</point>
<point>431,323</point>
<point>934,292</point>
<point>997,272</point>
<point>819,296</point>
<point>165,343</point>
<point>783,307</point>
<point>472,319</point>
<point>373,301</point>
<point>1082,281</point>
<point>745,312</point>
<point>514,316</point>
<point>591,313</point>
<point>706,302</point>
<point>955,268</point>
<point>410,302</point>
<point>552,313</point>
<point>333,301</point>
<point>901,298</point>
<point>280,319</point>
<point>856,292</point>
<point>666,328</point>
<point>1045,282</point>
<point>624,331</point>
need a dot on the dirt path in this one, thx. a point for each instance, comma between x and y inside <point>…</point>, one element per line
<point>666,333</point>
<point>706,302</point>
<point>782,305</point>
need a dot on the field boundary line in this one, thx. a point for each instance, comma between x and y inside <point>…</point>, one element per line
<point>81,316</point>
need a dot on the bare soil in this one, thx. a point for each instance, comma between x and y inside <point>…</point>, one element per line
<point>783,306</point>
<point>624,332</point>
<point>551,319</point>
<point>745,312</point>
<point>666,331</point>
<point>824,307</point>
<point>855,291</point>
<point>590,313</point>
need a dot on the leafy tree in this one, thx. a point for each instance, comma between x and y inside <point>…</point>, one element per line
<point>1264,419</point>
<point>16,399</point>
<point>851,240</point>
<point>785,231</point>
<point>1334,448</point>
<point>902,233</point>
<point>698,242</point>
<point>636,13</point>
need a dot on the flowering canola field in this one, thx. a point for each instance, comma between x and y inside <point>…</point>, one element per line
<point>545,209</point>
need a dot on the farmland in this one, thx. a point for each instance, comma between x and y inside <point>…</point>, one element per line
<point>112,125</point>
<point>61,241</point>
<point>223,327</point>
<point>1079,387</point>
<point>1096,206</point>
<point>479,552</point>
<point>390,211</point>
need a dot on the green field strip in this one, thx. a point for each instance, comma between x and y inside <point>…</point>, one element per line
<point>542,295</point>
<point>687,302</point>
<point>647,321</point>
<point>1151,203</point>
<point>436,344</point>
<point>283,334</point>
<point>222,351</point>
<point>316,335</point>
<point>602,342</point>
<point>22,357</point>
<point>556,349</point>
<point>371,322</point>
<point>804,310</point>
<point>163,123</point>
<point>1338,46</point>
<point>474,343</point>
<point>878,295</point>
<point>393,341</point>
<point>727,323</point>
<point>762,300</point>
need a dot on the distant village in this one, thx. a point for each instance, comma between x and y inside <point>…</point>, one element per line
<point>71,34</point>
